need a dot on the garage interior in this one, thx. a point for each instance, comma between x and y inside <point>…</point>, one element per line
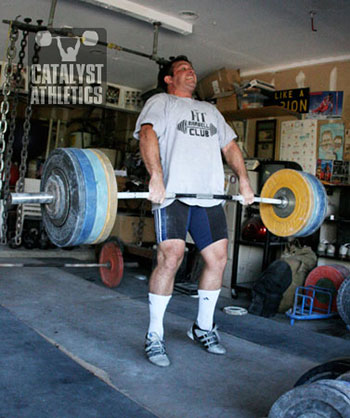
<point>73,331</point>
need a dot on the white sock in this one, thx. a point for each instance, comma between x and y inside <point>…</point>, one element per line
<point>157,308</point>
<point>206,306</point>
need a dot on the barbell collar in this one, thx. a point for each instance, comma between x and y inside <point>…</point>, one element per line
<point>42,198</point>
<point>271,201</point>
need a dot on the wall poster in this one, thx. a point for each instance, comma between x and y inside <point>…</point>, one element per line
<point>325,105</point>
<point>346,154</point>
<point>331,141</point>
<point>299,143</point>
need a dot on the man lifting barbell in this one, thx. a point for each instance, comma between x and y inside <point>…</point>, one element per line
<point>181,140</point>
<point>79,197</point>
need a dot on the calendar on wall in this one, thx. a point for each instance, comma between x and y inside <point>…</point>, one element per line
<point>299,143</point>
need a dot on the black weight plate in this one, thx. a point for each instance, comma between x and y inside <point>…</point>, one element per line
<point>343,301</point>
<point>325,398</point>
<point>30,238</point>
<point>64,218</point>
<point>345,377</point>
<point>329,370</point>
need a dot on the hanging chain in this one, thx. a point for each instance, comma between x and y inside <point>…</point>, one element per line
<point>17,79</point>
<point>4,109</point>
<point>141,223</point>
<point>24,153</point>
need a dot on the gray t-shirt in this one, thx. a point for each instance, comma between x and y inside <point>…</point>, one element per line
<point>190,135</point>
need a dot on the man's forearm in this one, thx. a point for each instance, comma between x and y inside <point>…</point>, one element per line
<point>234,158</point>
<point>149,149</point>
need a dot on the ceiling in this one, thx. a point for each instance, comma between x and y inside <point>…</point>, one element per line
<point>252,35</point>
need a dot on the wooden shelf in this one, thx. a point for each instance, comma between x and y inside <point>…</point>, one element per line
<point>260,112</point>
<point>335,257</point>
<point>327,183</point>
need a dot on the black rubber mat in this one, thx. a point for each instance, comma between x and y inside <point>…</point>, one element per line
<point>38,380</point>
<point>306,343</point>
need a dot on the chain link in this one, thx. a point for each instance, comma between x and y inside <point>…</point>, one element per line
<point>17,79</point>
<point>141,223</point>
<point>4,109</point>
<point>24,153</point>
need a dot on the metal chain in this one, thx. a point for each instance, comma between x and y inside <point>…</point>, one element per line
<point>4,109</point>
<point>24,153</point>
<point>17,79</point>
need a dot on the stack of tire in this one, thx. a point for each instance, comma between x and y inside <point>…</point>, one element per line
<point>323,391</point>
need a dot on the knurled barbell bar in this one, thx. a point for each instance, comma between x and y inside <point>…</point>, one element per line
<point>79,199</point>
<point>42,198</point>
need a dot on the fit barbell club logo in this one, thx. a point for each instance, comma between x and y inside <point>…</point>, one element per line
<point>70,69</point>
<point>197,128</point>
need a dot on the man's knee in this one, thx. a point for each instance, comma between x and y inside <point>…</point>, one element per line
<point>218,262</point>
<point>170,254</point>
<point>215,256</point>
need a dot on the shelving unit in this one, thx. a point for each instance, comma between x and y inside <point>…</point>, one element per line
<point>335,230</point>
<point>326,183</point>
<point>238,241</point>
<point>244,115</point>
<point>335,257</point>
<point>260,112</point>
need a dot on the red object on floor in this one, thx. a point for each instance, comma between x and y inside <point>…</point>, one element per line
<point>328,277</point>
<point>111,276</point>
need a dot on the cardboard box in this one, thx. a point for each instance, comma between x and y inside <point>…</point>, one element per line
<point>111,154</point>
<point>121,182</point>
<point>218,82</point>
<point>126,229</point>
<point>227,104</point>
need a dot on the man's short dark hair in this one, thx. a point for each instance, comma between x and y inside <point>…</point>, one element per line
<point>167,69</point>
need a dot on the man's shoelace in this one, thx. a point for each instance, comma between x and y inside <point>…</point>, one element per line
<point>208,339</point>
<point>155,347</point>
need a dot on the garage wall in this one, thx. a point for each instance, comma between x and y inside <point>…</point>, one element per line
<point>330,76</point>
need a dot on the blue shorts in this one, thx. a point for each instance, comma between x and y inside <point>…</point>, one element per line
<point>206,225</point>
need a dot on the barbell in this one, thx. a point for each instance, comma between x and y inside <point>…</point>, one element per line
<point>79,199</point>
<point>110,264</point>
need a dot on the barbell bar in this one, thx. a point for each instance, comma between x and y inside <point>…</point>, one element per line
<point>42,198</point>
<point>58,265</point>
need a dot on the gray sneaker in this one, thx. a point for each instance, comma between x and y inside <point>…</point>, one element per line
<point>155,350</point>
<point>210,340</point>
